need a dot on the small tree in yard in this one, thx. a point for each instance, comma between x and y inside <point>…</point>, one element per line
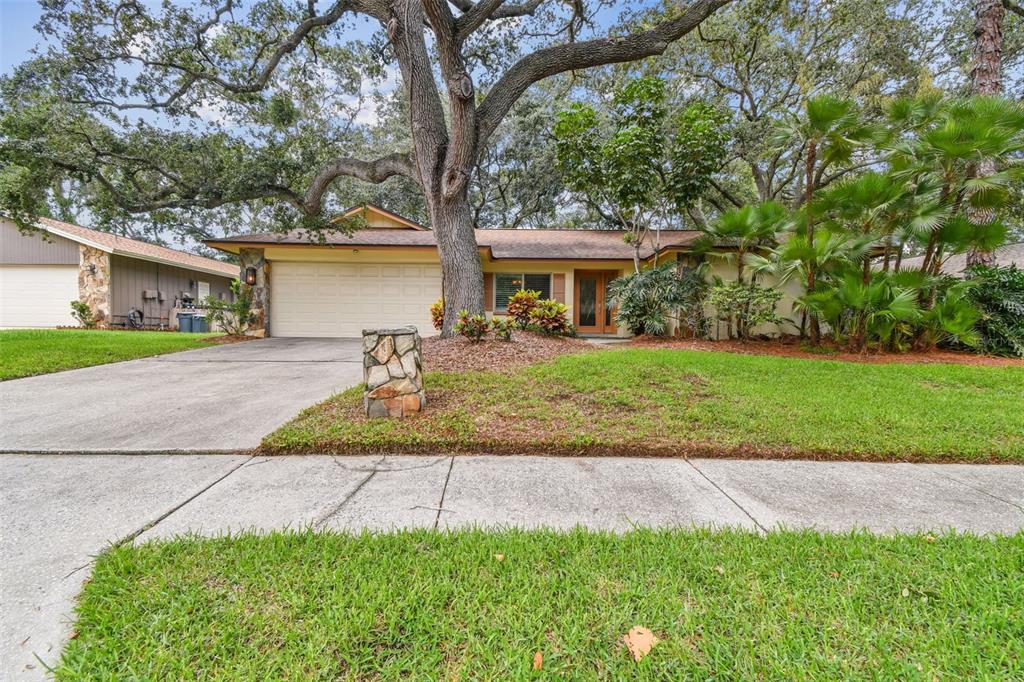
<point>233,316</point>
<point>744,306</point>
<point>638,166</point>
<point>83,314</point>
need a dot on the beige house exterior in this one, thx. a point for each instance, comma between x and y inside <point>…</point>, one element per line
<point>388,274</point>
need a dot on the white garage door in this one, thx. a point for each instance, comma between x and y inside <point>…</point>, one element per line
<point>342,299</point>
<point>37,295</point>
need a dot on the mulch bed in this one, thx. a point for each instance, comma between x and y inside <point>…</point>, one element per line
<point>459,354</point>
<point>793,349</point>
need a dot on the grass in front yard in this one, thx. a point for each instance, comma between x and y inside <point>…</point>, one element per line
<point>27,352</point>
<point>672,402</point>
<point>427,605</point>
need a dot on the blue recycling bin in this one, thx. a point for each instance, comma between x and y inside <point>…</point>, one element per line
<point>199,324</point>
<point>185,322</point>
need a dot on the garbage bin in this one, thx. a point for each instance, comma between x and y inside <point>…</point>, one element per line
<point>185,322</point>
<point>199,325</point>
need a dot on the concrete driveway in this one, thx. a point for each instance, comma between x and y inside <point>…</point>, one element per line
<point>224,398</point>
<point>58,511</point>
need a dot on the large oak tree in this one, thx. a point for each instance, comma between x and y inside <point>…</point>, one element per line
<point>116,105</point>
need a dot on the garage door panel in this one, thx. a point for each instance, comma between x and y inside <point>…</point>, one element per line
<point>37,295</point>
<point>341,299</point>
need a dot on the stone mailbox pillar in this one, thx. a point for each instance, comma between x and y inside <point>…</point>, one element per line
<point>392,372</point>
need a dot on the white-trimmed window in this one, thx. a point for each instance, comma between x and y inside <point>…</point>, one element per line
<point>507,284</point>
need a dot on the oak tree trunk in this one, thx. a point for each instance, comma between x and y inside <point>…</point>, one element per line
<point>987,79</point>
<point>452,222</point>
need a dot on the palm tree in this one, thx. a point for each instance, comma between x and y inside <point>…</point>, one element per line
<point>831,130</point>
<point>743,230</point>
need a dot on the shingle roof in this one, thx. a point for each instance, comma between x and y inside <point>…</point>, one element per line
<point>1005,255</point>
<point>124,246</point>
<point>502,244</point>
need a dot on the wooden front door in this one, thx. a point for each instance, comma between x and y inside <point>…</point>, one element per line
<point>592,308</point>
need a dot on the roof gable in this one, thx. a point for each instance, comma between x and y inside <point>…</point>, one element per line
<point>381,218</point>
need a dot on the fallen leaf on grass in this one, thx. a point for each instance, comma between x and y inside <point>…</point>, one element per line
<point>833,574</point>
<point>639,641</point>
<point>720,569</point>
<point>499,557</point>
<point>538,661</point>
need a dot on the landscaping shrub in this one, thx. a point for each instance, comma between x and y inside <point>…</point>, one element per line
<point>648,300</point>
<point>502,328</point>
<point>437,314</point>
<point>998,293</point>
<point>83,314</point>
<point>234,316</point>
<point>744,306</point>
<point>551,317</point>
<point>521,304</point>
<point>473,327</point>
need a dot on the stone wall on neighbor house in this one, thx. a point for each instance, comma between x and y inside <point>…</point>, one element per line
<point>392,372</point>
<point>94,282</point>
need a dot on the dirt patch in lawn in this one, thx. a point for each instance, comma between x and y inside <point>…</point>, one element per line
<point>526,348</point>
<point>225,339</point>
<point>794,349</point>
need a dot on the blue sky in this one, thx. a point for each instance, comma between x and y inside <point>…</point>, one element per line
<point>17,32</point>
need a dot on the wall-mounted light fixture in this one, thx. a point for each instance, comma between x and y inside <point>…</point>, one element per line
<point>250,276</point>
<point>91,267</point>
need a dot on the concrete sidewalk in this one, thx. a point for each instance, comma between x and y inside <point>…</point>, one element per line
<point>57,512</point>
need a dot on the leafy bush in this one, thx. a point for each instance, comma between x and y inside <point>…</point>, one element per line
<point>83,314</point>
<point>437,314</point>
<point>473,327</point>
<point>551,317</point>
<point>502,328</point>
<point>999,295</point>
<point>744,306</point>
<point>648,300</point>
<point>234,316</point>
<point>521,304</point>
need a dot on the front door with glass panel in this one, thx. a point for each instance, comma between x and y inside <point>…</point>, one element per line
<point>593,308</point>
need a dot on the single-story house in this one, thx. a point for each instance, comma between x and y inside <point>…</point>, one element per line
<point>1007,254</point>
<point>388,273</point>
<point>42,271</point>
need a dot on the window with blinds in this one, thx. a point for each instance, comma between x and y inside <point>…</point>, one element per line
<point>506,284</point>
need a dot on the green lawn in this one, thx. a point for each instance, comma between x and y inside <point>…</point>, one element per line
<point>439,606</point>
<point>27,352</point>
<point>674,402</point>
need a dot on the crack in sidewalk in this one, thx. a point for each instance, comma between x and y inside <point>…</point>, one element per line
<point>444,491</point>
<point>977,489</point>
<point>319,523</point>
<point>727,495</point>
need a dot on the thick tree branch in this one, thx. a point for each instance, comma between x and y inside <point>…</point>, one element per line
<point>572,56</point>
<point>368,171</point>
<point>1013,7</point>
<point>475,15</point>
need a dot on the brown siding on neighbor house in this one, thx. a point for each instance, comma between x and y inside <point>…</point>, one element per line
<point>131,276</point>
<point>32,249</point>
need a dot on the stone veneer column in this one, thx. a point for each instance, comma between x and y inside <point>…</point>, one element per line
<point>254,258</point>
<point>94,282</point>
<point>392,372</point>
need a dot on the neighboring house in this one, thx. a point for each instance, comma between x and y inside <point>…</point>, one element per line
<point>389,274</point>
<point>1008,254</point>
<point>41,272</point>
